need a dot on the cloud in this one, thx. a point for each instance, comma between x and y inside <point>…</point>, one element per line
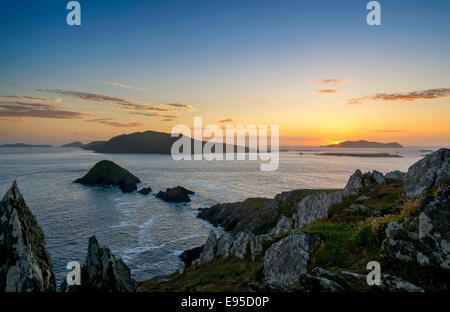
<point>87,96</point>
<point>177,105</point>
<point>328,81</point>
<point>167,119</point>
<point>2,120</point>
<point>29,98</point>
<point>429,94</point>
<point>38,110</point>
<point>328,91</point>
<point>111,122</point>
<point>226,120</point>
<point>121,85</point>
<point>155,114</point>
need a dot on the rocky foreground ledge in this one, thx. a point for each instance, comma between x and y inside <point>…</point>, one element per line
<point>322,240</point>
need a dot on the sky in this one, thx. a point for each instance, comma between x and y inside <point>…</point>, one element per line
<point>314,68</point>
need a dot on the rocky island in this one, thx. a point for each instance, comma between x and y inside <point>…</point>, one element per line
<point>106,173</point>
<point>364,144</point>
<point>177,194</point>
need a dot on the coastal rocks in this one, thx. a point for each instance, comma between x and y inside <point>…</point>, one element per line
<point>103,272</point>
<point>246,241</point>
<point>189,255</point>
<point>396,174</point>
<point>358,180</point>
<point>359,208</point>
<point>224,244</point>
<point>209,249</point>
<point>392,283</point>
<point>429,172</point>
<point>287,259</point>
<point>177,194</point>
<point>145,190</point>
<point>315,206</point>
<point>283,225</point>
<point>25,265</point>
<point>311,283</point>
<point>426,239</point>
<point>106,173</point>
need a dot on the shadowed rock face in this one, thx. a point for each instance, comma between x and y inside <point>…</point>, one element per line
<point>358,180</point>
<point>103,272</point>
<point>25,265</point>
<point>175,195</point>
<point>429,172</point>
<point>106,172</point>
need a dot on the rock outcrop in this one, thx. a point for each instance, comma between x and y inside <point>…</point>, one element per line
<point>189,255</point>
<point>288,258</point>
<point>314,207</point>
<point>424,240</point>
<point>145,190</point>
<point>106,173</point>
<point>25,265</point>
<point>358,180</point>
<point>177,194</point>
<point>431,171</point>
<point>103,272</point>
<point>396,174</point>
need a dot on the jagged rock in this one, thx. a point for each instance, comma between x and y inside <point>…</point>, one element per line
<point>283,225</point>
<point>394,284</point>
<point>319,272</point>
<point>224,244</point>
<point>209,249</point>
<point>363,198</point>
<point>426,239</point>
<point>145,191</point>
<point>312,283</point>
<point>287,259</point>
<point>189,255</point>
<point>106,172</point>
<point>103,272</point>
<point>396,174</point>
<point>429,172</point>
<point>244,241</point>
<point>267,286</point>
<point>359,208</point>
<point>25,265</point>
<point>315,206</point>
<point>358,180</point>
<point>177,194</point>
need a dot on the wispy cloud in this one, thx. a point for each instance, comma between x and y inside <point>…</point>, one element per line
<point>87,96</point>
<point>328,81</point>
<point>155,114</point>
<point>29,98</point>
<point>328,91</point>
<point>3,120</point>
<point>429,94</point>
<point>388,131</point>
<point>177,105</point>
<point>121,85</point>
<point>226,120</point>
<point>38,110</point>
<point>111,122</point>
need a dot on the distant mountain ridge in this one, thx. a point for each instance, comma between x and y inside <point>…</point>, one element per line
<point>364,144</point>
<point>73,144</point>
<point>24,145</point>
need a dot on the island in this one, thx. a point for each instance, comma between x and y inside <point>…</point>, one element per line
<point>360,154</point>
<point>364,144</point>
<point>23,145</point>
<point>73,144</point>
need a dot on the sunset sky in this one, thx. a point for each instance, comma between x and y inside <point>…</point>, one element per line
<point>315,68</point>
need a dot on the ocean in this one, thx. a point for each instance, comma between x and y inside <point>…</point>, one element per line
<point>146,232</point>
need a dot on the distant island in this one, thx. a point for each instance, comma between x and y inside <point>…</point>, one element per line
<point>23,145</point>
<point>73,144</point>
<point>360,154</point>
<point>364,144</point>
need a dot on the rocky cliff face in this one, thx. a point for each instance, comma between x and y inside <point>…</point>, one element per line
<point>25,265</point>
<point>103,272</point>
<point>358,180</point>
<point>427,173</point>
<point>314,207</point>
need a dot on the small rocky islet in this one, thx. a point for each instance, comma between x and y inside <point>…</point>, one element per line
<point>302,240</point>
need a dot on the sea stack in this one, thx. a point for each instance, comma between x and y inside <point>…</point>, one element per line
<point>25,265</point>
<point>106,173</point>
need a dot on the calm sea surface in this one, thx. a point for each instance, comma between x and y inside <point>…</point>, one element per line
<point>146,232</point>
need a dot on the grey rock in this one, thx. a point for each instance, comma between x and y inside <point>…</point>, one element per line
<point>314,207</point>
<point>287,259</point>
<point>267,286</point>
<point>209,249</point>
<point>429,172</point>
<point>283,225</point>
<point>394,284</point>
<point>244,241</point>
<point>312,283</point>
<point>224,244</point>
<point>378,177</point>
<point>396,174</point>
<point>358,180</point>
<point>104,272</point>
<point>25,265</point>
<point>359,208</point>
<point>363,198</point>
<point>319,272</point>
